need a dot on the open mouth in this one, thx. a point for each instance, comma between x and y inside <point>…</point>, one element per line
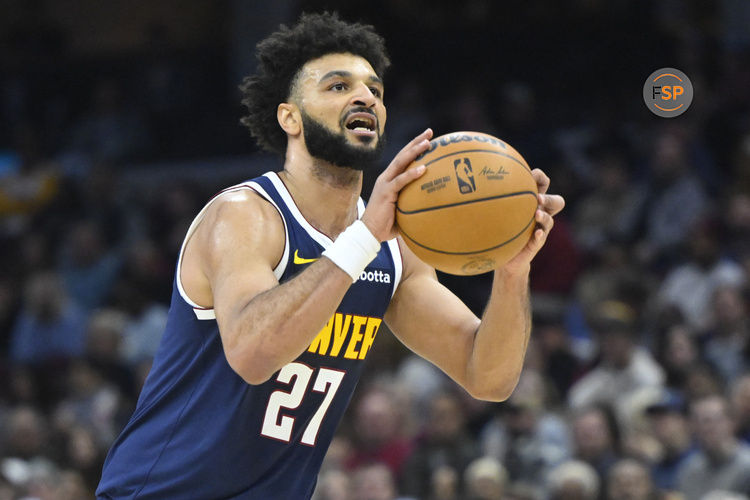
<point>361,123</point>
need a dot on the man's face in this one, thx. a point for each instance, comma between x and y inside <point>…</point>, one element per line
<point>341,106</point>
<point>711,423</point>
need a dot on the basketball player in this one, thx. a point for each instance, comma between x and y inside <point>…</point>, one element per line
<point>284,281</point>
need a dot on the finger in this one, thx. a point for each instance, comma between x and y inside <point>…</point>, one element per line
<point>544,220</point>
<point>408,154</point>
<point>542,181</point>
<point>540,237</point>
<point>406,177</point>
<point>416,146</point>
<point>551,203</point>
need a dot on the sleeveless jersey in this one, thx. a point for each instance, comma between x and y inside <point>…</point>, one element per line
<point>199,431</point>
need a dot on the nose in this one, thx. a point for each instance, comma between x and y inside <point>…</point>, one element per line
<point>364,97</point>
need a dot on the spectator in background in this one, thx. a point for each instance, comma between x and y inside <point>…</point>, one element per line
<point>485,479</point>
<point>702,380</point>
<point>560,365</point>
<point>721,462</point>
<point>333,484</point>
<point>50,326</point>
<point>525,436</point>
<point>629,479</point>
<point>573,480</point>
<point>81,452</point>
<point>677,199</point>
<point>140,293</point>
<point>612,274</point>
<point>444,484</point>
<point>420,380</point>
<point>445,443</point>
<point>88,268</point>
<point>728,335</point>
<point>677,353</point>
<point>668,423</point>
<point>91,402</point>
<point>596,439</point>
<point>611,211</point>
<point>373,482</point>
<point>71,486</point>
<point>610,270</point>
<point>379,432</point>
<point>104,350</point>
<point>690,286</point>
<point>625,372</point>
<point>25,434</point>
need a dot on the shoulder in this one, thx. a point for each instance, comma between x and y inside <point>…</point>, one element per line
<point>240,222</point>
<point>241,203</point>
<point>239,213</point>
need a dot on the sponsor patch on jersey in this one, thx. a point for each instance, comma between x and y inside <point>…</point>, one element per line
<point>375,276</point>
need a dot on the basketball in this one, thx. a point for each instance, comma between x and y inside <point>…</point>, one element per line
<point>473,208</point>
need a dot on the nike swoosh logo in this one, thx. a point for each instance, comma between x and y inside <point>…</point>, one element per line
<point>301,260</point>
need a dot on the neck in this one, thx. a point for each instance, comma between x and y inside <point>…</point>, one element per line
<point>325,194</point>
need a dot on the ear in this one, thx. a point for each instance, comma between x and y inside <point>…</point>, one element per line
<point>289,118</point>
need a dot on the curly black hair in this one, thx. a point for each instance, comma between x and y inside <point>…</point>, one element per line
<point>282,55</point>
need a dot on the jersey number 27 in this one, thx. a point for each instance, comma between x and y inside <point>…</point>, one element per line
<point>327,381</point>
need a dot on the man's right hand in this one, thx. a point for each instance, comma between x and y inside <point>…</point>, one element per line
<point>380,215</point>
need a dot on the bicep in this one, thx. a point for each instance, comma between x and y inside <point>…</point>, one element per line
<point>430,320</point>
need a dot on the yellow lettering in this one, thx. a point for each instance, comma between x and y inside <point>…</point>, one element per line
<point>340,331</point>
<point>364,329</point>
<point>321,342</point>
<point>370,331</point>
<point>359,322</point>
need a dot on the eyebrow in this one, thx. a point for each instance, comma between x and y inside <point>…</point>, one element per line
<point>347,74</point>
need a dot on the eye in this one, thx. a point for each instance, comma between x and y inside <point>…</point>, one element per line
<point>376,92</point>
<point>338,86</point>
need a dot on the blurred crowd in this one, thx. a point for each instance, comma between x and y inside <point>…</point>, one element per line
<point>637,377</point>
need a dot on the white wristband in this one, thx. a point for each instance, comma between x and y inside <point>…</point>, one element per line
<point>353,249</point>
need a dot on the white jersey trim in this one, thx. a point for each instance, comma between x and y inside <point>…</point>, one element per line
<point>323,239</point>
<point>205,313</point>
<point>398,264</point>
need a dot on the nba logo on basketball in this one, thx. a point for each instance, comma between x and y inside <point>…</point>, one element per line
<point>465,176</point>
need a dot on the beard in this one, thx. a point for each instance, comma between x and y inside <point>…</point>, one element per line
<point>324,144</point>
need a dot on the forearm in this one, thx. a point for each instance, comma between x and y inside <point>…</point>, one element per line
<point>276,326</point>
<point>500,343</point>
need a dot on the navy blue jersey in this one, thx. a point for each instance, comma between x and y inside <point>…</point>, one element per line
<point>199,431</point>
